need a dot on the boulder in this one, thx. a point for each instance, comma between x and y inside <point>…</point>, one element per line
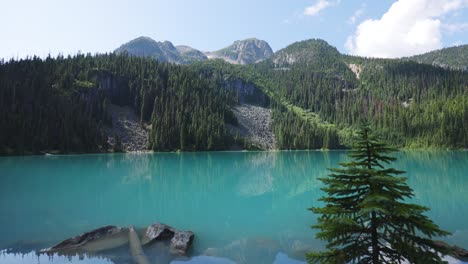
<point>157,231</point>
<point>179,241</point>
<point>99,239</point>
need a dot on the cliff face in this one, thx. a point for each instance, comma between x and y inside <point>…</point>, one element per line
<point>244,52</point>
<point>247,93</point>
<point>125,127</point>
<point>253,114</point>
<point>114,88</point>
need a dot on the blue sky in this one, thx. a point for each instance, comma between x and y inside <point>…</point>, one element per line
<point>382,28</point>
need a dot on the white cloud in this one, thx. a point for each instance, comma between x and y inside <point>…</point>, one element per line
<point>352,19</point>
<point>409,27</point>
<point>317,7</point>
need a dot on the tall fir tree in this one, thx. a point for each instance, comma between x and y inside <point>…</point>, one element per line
<point>366,219</point>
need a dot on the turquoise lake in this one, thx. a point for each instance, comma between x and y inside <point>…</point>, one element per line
<point>244,207</point>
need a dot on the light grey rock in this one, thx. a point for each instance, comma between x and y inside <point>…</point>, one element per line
<point>179,241</point>
<point>255,125</point>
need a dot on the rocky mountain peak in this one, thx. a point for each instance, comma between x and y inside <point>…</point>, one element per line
<point>246,51</point>
<point>163,51</point>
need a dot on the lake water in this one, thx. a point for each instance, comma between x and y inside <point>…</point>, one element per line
<point>244,207</point>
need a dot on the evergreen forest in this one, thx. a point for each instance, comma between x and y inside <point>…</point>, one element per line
<point>316,95</point>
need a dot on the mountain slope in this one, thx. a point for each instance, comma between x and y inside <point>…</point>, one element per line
<point>162,51</point>
<point>246,51</point>
<point>190,54</point>
<point>453,57</point>
<point>309,96</point>
<point>318,91</point>
<point>313,52</point>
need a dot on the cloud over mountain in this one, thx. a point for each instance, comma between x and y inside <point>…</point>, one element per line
<point>409,27</point>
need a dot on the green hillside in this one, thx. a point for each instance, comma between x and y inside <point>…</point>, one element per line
<point>453,57</point>
<point>317,98</point>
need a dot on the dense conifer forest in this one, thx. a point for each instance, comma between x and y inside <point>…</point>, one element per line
<point>317,97</point>
<point>60,104</point>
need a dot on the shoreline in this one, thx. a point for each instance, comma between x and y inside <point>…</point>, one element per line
<point>224,151</point>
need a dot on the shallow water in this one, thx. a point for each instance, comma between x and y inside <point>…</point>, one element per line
<point>244,207</point>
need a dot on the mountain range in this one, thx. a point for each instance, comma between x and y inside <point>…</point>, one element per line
<point>253,50</point>
<point>246,51</point>
<point>245,96</point>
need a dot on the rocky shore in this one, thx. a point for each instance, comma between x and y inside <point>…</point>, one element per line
<point>170,241</point>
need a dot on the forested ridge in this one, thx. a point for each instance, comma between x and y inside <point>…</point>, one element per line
<point>410,104</point>
<point>317,97</point>
<point>60,104</point>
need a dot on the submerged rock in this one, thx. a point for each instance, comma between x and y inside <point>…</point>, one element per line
<point>135,247</point>
<point>180,241</point>
<point>248,250</point>
<point>100,239</point>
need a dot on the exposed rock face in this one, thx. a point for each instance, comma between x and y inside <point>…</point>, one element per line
<point>255,125</point>
<point>246,92</point>
<point>126,125</point>
<point>244,52</point>
<point>95,240</point>
<point>356,69</point>
<point>252,113</point>
<point>162,51</point>
<point>180,241</point>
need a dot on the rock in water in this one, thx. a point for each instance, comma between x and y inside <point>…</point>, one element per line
<point>180,241</point>
<point>135,247</point>
<point>100,239</point>
<point>157,231</point>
